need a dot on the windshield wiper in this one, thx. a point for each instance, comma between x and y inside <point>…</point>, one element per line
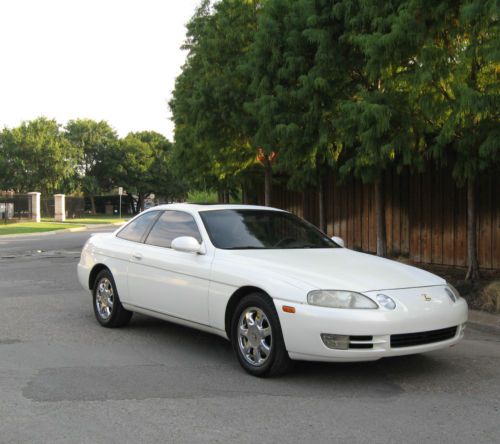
<point>245,247</point>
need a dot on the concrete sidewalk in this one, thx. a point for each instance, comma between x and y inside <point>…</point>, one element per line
<point>485,321</point>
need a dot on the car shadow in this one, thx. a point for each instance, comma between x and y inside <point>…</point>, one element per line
<point>220,353</point>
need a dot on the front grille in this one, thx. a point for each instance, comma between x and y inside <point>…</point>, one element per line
<point>421,338</point>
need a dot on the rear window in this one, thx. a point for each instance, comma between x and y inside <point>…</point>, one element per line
<point>136,229</point>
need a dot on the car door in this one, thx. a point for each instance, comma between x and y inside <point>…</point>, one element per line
<point>121,246</point>
<point>168,281</point>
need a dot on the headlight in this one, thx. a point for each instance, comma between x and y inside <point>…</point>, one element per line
<point>339,299</point>
<point>452,293</point>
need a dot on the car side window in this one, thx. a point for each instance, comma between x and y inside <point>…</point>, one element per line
<point>172,224</point>
<point>136,229</point>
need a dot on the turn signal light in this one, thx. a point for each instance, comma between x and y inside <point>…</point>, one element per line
<point>288,309</point>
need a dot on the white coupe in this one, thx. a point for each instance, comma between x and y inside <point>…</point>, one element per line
<point>274,285</point>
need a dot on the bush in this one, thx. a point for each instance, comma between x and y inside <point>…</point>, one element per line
<point>202,196</point>
<point>490,297</point>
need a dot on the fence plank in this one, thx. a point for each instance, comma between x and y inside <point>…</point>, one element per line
<point>484,223</point>
<point>495,263</point>
<point>448,221</point>
<point>405,212</point>
<point>415,207</point>
<point>389,205</point>
<point>437,218</point>
<point>460,227</point>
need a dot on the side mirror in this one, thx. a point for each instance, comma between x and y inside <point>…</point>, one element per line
<point>339,241</point>
<point>187,244</point>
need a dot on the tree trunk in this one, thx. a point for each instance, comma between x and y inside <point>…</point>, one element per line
<point>244,195</point>
<point>268,180</point>
<point>321,206</point>
<point>380,209</point>
<point>92,204</point>
<point>473,266</point>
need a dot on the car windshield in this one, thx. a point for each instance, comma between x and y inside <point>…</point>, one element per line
<point>262,229</point>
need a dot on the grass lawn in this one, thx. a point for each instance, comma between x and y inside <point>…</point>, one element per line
<point>91,219</point>
<point>32,227</point>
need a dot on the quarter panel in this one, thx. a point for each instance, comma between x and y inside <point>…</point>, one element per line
<point>112,252</point>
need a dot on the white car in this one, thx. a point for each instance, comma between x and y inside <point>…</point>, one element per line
<point>274,285</point>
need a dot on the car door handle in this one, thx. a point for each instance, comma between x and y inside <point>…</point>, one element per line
<point>137,256</point>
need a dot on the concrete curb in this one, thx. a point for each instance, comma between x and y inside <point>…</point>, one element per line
<point>482,320</point>
<point>66,230</point>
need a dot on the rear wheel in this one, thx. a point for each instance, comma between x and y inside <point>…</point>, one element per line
<point>257,338</point>
<point>108,309</point>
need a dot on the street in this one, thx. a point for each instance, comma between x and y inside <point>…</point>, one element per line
<point>63,378</point>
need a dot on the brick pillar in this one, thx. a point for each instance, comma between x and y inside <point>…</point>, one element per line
<point>59,208</point>
<point>35,206</point>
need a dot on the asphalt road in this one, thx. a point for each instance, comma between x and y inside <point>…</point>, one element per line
<point>63,378</point>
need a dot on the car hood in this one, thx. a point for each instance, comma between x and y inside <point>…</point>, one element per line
<point>337,269</point>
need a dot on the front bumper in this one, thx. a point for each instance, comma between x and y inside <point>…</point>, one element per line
<point>83,273</point>
<point>302,330</point>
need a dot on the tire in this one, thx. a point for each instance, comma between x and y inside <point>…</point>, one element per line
<point>258,343</point>
<point>112,314</point>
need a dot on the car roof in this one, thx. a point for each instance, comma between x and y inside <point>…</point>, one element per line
<point>211,207</point>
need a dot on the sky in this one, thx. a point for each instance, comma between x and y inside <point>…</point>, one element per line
<point>113,60</point>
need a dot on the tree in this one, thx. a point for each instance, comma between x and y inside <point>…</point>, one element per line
<point>312,77</point>
<point>266,104</point>
<point>459,78</point>
<point>37,156</point>
<point>140,164</point>
<point>212,139</point>
<point>92,140</point>
<point>380,125</point>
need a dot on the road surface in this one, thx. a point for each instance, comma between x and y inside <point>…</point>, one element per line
<point>63,378</point>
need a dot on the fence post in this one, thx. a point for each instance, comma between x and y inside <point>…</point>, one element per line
<point>59,208</point>
<point>35,205</point>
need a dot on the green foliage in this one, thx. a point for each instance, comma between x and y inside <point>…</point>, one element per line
<point>141,164</point>
<point>37,156</point>
<point>212,137</point>
<point>88,157</point>
<point>299,75</point>
<point>357,85</point>
<point>93,142</point>
<point>202,196</point>
<point>460,80</point>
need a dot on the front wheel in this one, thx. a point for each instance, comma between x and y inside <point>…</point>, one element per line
<point>257,338</point>
<point>108,309</point>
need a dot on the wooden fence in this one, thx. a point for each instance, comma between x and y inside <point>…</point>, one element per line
<point>425,216</point>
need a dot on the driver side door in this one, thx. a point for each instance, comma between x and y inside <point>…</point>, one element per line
<point>167,281</point>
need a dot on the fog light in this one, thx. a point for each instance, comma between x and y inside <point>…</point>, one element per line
<point>335,341</point>
<point>386,302</point>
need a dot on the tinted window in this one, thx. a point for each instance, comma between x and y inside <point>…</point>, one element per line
<point>245,229</point>
<point>172,224</point>
<point>138,227</point>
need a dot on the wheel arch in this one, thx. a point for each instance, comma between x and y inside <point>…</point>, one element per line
<point>94,272</point>
<point>234,300</point>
